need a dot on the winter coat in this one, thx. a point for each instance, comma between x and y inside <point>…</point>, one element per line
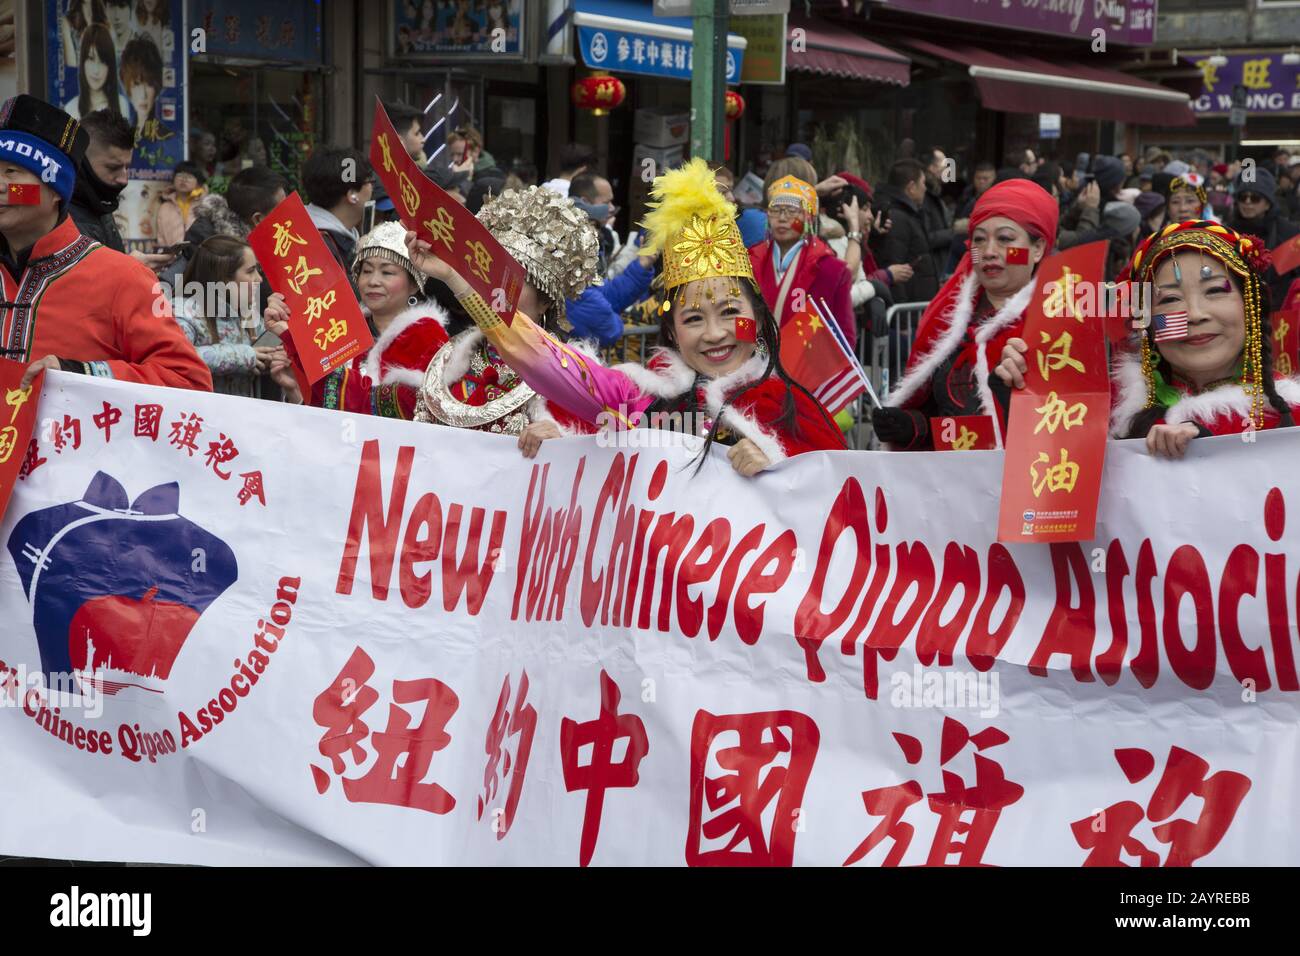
<point>906,243</point>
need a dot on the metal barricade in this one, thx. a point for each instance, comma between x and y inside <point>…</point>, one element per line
<point>884,357</point>
<point>634,346</point>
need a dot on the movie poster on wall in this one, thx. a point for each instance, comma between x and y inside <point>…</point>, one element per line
<point>128,57</point>
<point>458,28</point>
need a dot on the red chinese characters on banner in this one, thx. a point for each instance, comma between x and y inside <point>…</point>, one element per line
<point>1056,432</point>
<point>512,723</point>
<point>747,748</point>
<point>435,216</point>
<point>965,815</point>
<point>601,773</point>
<point>106,419</point>
<point>325,321</point>
<point>963,433</point>
<point>403,753</point>
<point>148,419</point>
<point>1109,833</point>
<point>17,422</point>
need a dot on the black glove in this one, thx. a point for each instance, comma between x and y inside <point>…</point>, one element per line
<point>900,426</point>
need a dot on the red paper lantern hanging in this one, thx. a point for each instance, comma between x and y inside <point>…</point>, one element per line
<point>599,93</point>
<point>735,107</point>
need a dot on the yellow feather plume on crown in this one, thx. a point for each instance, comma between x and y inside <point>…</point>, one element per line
<point>694,227</point>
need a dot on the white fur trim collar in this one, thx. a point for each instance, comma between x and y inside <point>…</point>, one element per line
<point>401,322</point>
<point>1130,393</point>
<point>669,376</point>
<point>1191,409</point>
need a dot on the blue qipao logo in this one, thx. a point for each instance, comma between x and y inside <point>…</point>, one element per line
<point>116,586</point>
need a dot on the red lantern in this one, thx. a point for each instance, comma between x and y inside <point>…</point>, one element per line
<point>598,93</point>
<point>733,109</point>
<point>735,105</point>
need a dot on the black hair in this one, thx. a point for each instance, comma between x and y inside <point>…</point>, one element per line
<point>583,186</point>
<point>109,129</point>
<point>576,155</point>
<point>1146,419</point>
<point>185,166</point>
<point>769,332</point>
<point>904,172</point>
<point>322,175</point>
<point>984,166</point>
<point>253,190</point>
<point>403,115</point>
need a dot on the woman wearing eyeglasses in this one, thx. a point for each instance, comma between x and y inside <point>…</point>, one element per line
<point>1255,212</point>
<point>796,270</point>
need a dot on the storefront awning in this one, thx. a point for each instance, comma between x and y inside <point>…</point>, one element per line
<point>624,36</point>
<point>1024,84</point>
<point>832,51</point>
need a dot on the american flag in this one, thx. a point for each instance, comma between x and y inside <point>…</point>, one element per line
<point>817,356</point>
<point>1170,326</point>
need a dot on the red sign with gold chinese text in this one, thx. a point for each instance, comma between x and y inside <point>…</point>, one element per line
<point>963,433</point>
<point>325,322</point>
<point>433,214</point>
<point>17,422</point>
<point>1056,431</point>
<point>1286,341</point>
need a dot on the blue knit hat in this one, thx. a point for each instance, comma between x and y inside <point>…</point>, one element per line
<point>44,140</point>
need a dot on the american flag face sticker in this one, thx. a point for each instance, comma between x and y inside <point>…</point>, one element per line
<point>21,194</point>
<point>1018,256</point>
<point>1170,326</point>
<point>746,329</point>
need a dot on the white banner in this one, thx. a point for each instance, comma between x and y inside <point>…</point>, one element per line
<point>299,636</point>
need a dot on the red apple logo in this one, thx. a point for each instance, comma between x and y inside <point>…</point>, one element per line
<point>140,636</point>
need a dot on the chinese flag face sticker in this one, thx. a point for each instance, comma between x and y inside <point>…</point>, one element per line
<point>21,194</point>
<point>746,329</point>
<point>1018,256</point>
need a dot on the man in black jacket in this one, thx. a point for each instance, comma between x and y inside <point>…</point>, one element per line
<point>938,221</point>
<point>908,241</point>
<point>102,174</point>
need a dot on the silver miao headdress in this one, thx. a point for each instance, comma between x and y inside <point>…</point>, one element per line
<point>549,236</point>
<point>387,241</point>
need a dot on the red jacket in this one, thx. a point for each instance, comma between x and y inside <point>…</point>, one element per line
<point>82,301</point>
<point>820,275</point>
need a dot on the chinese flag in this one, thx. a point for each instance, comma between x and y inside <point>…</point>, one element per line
<point>1018,256</point>
<point>17,423</point>
<point>815,360</point>
<point>746,329</point>
<point>1286,256</point>
<point>22,194</point>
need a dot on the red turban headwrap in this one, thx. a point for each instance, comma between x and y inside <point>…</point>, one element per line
<point>1024,202</point>
<point>1020,200</point>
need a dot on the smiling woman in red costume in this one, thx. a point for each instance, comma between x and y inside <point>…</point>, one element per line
<point>1204,364</point>
<point>980,308</point>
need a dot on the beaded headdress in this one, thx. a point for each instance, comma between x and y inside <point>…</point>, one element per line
<point>549,236</point>
<point>694,227</point>
<point>1244,255</point>
<point>791,191</point>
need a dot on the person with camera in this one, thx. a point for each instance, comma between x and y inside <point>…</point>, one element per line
<point>904,249</point>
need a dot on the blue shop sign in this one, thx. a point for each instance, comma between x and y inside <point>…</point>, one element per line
<point>630,51</point>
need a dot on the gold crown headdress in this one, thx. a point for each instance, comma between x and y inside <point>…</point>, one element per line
<point>694,227</point>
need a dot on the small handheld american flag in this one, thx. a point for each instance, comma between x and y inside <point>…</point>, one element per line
<point>1170,326</point>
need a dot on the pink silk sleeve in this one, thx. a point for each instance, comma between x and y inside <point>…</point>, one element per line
<point>576,382</point>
